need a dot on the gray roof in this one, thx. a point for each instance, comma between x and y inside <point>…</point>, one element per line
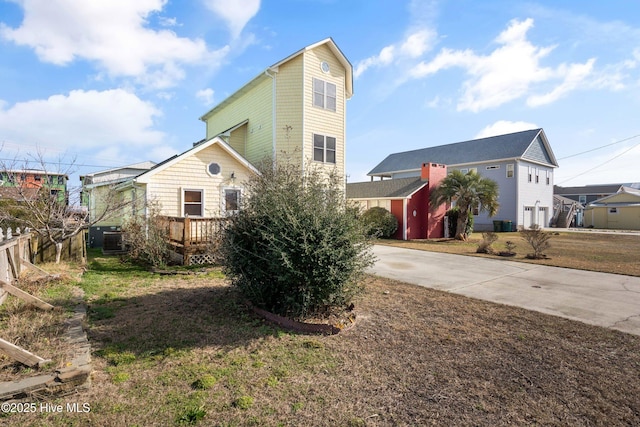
<point>597,189</point>
<point>388,188</point>
<point>510,146</point>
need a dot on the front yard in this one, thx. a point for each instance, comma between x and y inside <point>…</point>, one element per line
<point>182,350</point>
<point>606,252</point>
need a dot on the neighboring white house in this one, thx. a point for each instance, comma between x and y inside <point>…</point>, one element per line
<point>522,164</point>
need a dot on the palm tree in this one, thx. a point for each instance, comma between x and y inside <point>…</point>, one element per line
<point>469,191</point>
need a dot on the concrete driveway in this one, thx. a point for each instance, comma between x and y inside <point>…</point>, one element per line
<point>602,299</point>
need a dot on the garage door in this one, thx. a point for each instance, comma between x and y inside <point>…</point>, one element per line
<point>528,219</point>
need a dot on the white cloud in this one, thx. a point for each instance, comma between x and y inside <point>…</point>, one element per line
<point>113,34</point>
<point>574,76</point>
<point>503,127</point>
<point>413,46</point>
<point>205,95</point>
<point>511,71</point>
<point>82,120</point>
<point>235,13</point>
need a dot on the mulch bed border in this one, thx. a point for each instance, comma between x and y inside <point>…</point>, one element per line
<point>302,327</point>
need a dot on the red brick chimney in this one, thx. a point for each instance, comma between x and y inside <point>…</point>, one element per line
<point>433,172</point>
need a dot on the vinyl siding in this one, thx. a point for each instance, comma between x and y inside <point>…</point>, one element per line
<point>256,105</point>
<point>537,152</point>
<point>238,139</point>
<point>626,218</point>
<point>289,110</point>
<point>191,173</point>
<point>101,199</point>
<point>318,120</point>
<point>532,194</point>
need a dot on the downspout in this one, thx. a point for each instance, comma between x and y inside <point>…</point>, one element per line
<point>273,115</point>
<point>516,176</point>
<point>406,219</point>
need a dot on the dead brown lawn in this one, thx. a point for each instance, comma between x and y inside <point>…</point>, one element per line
<point>606,252</point>
<point>182,350</point>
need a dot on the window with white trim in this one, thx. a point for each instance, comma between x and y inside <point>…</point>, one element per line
<point>192,202</point>
<point>613,210</point>
<point>537,175</point>
<point>231,201</point>
<point>324,148</point>
<point>548,178</point>
<point>530,175</point>
<point>510,170</point>
<point>324,94</point>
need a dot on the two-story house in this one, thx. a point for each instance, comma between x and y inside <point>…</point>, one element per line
<point>522,164</point>
<point>27,183</point>
<point>294,110</point>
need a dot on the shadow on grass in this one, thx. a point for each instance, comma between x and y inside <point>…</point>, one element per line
<point>175,319</point>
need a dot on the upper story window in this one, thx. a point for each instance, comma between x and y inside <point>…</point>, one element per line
<point>192,202</point>
<point>510,170</point>
<point>324,148</point>
<point>324,94</point>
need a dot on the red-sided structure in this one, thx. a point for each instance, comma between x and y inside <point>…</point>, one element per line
<point>408,199</point>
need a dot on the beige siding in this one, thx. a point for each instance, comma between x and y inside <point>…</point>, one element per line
<point>191,174</point>
<point>318,120</point>
<point>256,105</point>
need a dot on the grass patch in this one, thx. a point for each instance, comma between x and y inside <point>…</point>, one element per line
<point>606,252</point>
<point>187,352</point>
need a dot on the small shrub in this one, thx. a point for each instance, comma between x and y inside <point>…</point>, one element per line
<point>146,239</point>
<point>379,222</point>
<point>510,247</point>
<point>488,239</point>
<point>538,239</point>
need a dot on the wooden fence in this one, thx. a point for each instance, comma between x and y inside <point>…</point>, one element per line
<point>16,254</point>
<point>192,238</point>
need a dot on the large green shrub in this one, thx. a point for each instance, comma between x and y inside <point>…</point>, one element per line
<point>379,222</point>
<point>295,248</point>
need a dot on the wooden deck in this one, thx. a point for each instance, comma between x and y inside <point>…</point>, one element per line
<point>193,238</point>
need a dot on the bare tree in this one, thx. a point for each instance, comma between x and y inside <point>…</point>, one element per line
<point>42,200</point>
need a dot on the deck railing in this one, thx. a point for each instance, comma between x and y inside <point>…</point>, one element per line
<point>192,236</point>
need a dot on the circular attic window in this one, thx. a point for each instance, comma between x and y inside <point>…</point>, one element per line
<point>213,169</point>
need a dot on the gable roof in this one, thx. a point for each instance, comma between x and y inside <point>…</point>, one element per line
<point>400,188</point>
<point>274,68</point>
<point>611,199</point>
<point>144,177</point>
<point>531,145</point>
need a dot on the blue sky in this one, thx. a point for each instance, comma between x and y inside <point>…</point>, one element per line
<point>106,84</point>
